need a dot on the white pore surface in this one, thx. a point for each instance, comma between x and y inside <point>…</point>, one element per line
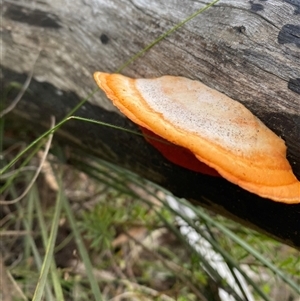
<point>194,107</point>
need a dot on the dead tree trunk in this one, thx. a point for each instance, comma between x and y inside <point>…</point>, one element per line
<point>249,50</point>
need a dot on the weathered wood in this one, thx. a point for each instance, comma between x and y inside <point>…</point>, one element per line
<point>247,50</point>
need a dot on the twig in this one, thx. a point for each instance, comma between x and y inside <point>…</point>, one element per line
<point>48,144</point>
<point>22,91</point>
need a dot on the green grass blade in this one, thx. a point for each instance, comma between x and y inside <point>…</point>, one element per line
<point>29,237</point>
<point>82,250</point>
<point>53,270</point>
<point>39,291</point>
<point>247,247</point>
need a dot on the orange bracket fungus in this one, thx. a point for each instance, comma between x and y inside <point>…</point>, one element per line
<point>209,126</point>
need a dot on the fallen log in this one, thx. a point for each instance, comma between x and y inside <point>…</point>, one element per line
<point>248,50</point>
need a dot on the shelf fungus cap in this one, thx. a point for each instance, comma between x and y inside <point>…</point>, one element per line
<point>218,130</point>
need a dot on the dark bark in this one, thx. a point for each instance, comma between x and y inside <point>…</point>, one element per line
<point>247,50</point>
